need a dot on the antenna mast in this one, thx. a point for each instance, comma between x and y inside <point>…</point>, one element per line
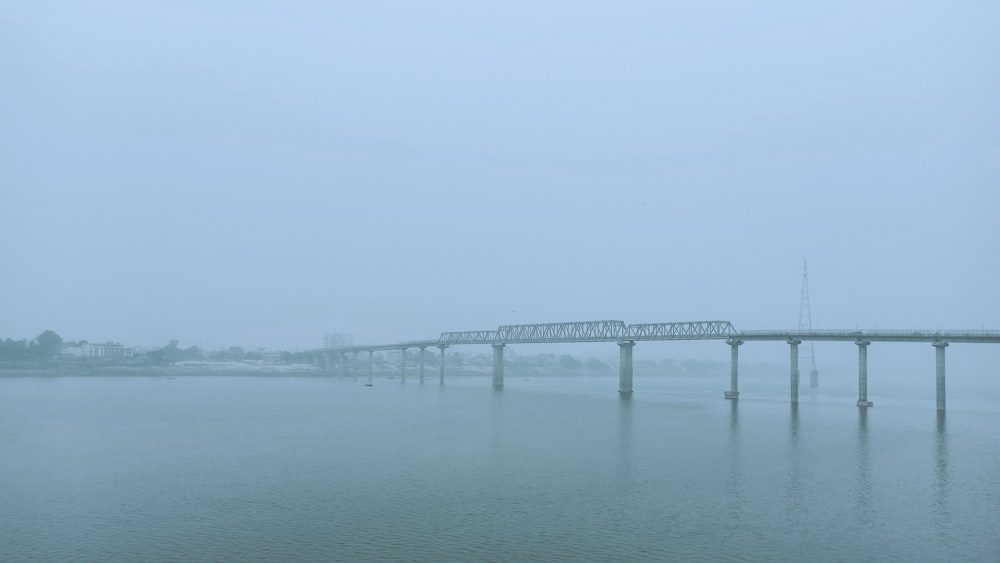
<point>805,324</point>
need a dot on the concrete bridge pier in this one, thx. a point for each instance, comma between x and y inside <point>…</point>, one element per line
<point>402,364</point>
<point>625,366</point>
<point>354,366</point>
<point>734,363</point>
<point>793,343</point>
<point>940,346</point>
<point>863,373</point>
<point>422,348</point>
<point>370,361</point>
<point>498,364</point>
<point>442,347</point>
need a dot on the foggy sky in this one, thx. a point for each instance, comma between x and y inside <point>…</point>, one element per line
<point>257,174</point>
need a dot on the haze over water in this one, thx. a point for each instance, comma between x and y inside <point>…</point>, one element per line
<point>256,175</point>
<point>548,468</point>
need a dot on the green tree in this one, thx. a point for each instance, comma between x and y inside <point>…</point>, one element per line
<point>13,349</point>
<point>46,344</point>
<point>166,355</point>
<point>172,353</point>
<point>191,353</point>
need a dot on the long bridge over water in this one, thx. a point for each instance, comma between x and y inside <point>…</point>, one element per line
<point>626,337</point>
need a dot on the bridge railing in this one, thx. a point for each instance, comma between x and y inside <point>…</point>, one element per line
<point>886,335</point>
<point>873,332</point>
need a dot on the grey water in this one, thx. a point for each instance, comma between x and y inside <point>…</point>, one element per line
<point>546,468</point>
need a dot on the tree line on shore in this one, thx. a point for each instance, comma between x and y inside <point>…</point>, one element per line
<point>48,346</point>
<point>42,347</point>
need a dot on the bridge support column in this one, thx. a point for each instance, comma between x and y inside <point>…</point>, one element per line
<point>940,346</point>
<point>625,366</point>
<point>370,361</point>
<point>813,377</point>
<point>422,348</point>
<point>793,343</point>
<point>402,364</point>
<point>442,347</point>
<point>498,364</point>
<point>734,373</point>
<point>354,366</point>
<point>863,373</point>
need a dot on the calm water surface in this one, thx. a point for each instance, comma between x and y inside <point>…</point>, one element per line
<point>313,468</point>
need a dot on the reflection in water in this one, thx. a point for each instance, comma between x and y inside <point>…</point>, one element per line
<point>497,426</point>
<point>734,420</point>
<point>942,480</point>
<point>624,476</point>
<point>862,476</point>
<point>210,468</point>
<point>794,425</point>
<point>734,482</point>
<point>794,494</point>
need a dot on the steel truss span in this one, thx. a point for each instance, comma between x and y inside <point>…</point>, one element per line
<point>586,331</point>
<point>696,330</point>
<point>468,337</point>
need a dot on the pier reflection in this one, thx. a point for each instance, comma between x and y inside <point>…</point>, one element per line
<point>734,479</point>
<point>793,472</point>
<point>624,471</point>
<point>942,476</point>
<point>862,474</point>
<point>497,427</point>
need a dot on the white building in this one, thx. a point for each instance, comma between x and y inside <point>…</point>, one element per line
<point>108,350</point>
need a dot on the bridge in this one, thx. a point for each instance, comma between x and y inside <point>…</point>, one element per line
<point>626,337</point>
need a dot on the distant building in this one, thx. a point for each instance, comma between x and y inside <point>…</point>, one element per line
<point>108,350</point>
<point>337,340</point>
<point>73,349</point>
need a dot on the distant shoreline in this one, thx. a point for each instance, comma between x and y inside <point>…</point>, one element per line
<point>179,369</point>
<point>203,368</point>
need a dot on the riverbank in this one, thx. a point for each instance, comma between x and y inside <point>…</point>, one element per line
<point>172,370</point>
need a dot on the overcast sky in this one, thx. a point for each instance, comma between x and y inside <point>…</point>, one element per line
<point>259,173</point>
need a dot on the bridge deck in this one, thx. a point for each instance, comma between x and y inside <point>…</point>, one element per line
<point>970,336</point>
<point>618,331</point>
<point>377,347</point>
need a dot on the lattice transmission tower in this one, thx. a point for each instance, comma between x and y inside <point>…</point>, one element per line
<point>805,323</point>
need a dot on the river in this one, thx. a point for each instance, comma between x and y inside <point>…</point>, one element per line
<point>311,468</point>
